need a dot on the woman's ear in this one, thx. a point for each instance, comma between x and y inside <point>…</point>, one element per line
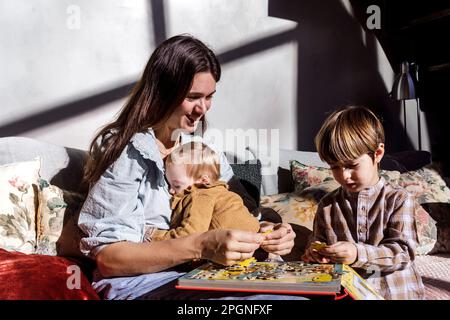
<point>379,153</point>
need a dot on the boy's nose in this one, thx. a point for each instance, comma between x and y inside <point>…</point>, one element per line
<point>346,173</point>
<point>171,191</point>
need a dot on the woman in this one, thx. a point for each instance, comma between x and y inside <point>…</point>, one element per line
<point>128,191</point>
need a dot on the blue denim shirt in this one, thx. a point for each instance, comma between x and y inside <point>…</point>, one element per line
<point>131,194</point>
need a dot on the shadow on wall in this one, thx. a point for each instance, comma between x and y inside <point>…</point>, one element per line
<point>335,68</point>
<point>75,108</point>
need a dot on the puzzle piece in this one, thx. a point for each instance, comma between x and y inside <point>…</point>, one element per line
<point>318,245</point>
<point>247,262</point>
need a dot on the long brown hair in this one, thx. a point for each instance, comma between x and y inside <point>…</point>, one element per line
<point>164,84</point>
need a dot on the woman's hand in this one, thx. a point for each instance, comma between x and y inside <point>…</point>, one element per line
<point>341,252</point>
<point>279,238</point>
<point>228,247</point>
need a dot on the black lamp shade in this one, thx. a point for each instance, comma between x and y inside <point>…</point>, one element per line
<point>404,87</point>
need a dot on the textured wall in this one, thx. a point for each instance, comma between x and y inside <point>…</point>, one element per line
<point>67,65</point>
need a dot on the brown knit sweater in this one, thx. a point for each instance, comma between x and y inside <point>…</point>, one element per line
<point>200,208</point>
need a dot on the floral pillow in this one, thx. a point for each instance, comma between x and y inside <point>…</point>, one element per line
<point>55,206</point>
<point>441,213</point>
<point>306,176</point>
<point>292,208</point>
<point>426,231</point>
<point>18,205</point>
<point>426,184</point>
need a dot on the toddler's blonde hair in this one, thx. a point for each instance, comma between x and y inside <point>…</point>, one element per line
<point>198,158</point>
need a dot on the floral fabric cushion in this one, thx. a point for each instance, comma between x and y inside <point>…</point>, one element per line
<point>306,176</point>
<point>18,202</point>
<point>55,206</point>
<point>299,207</point>
<point>426,231</point>
<point>292,208</point>
<point>441,213</point>
<point>426,184</point>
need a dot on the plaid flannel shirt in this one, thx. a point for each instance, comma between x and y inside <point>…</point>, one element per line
<point>380,221</point>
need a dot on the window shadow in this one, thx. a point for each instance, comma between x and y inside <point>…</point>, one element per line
<point>335,68</point>
<point>158,20</point>
<point>64,111</point>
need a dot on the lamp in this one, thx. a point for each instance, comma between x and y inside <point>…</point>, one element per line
<point>404,88</point>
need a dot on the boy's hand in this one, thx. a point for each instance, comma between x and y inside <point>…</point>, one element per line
<point>312,254</point>
<point>341,252</point>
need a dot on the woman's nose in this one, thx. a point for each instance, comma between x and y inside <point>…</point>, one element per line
<point>201,106</point>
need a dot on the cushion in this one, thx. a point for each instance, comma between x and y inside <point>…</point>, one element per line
<point>405,160</point>
<point>18,205</point>
<point>249,174</point>
<point>50,217</point>
<point>292,208</point>
<point>57,222</point>
<point>305,176</point>
<point>440,212</point>
<point>426,184</point>
<point>41,277</point>
<point>433,194</point>
<point>61,166</point>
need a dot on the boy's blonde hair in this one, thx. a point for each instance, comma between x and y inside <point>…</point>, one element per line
<point>349,133</point>
<point>198,158</point>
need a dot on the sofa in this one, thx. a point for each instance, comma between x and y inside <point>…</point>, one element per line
<point>39,236</point>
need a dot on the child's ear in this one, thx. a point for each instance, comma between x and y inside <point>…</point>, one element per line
<point>379,153</point>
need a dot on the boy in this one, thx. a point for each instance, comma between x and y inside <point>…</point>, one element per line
<point>200,201</point>
<point>365,223</point>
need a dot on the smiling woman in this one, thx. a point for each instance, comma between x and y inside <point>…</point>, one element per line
<point>129,194</point>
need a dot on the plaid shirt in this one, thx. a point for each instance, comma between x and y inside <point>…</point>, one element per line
<point>380,221</point>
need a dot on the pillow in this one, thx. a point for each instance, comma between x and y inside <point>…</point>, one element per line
<point>441,213</point>
<point>317,181</point>
<point>426,231</point>
<point>41,277</point>
<point>249,174</point>
<point>57,212</point>
<point>292,208</point>
<point>306,176</point>
<point>18,205</point>
<point>426,184</point>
